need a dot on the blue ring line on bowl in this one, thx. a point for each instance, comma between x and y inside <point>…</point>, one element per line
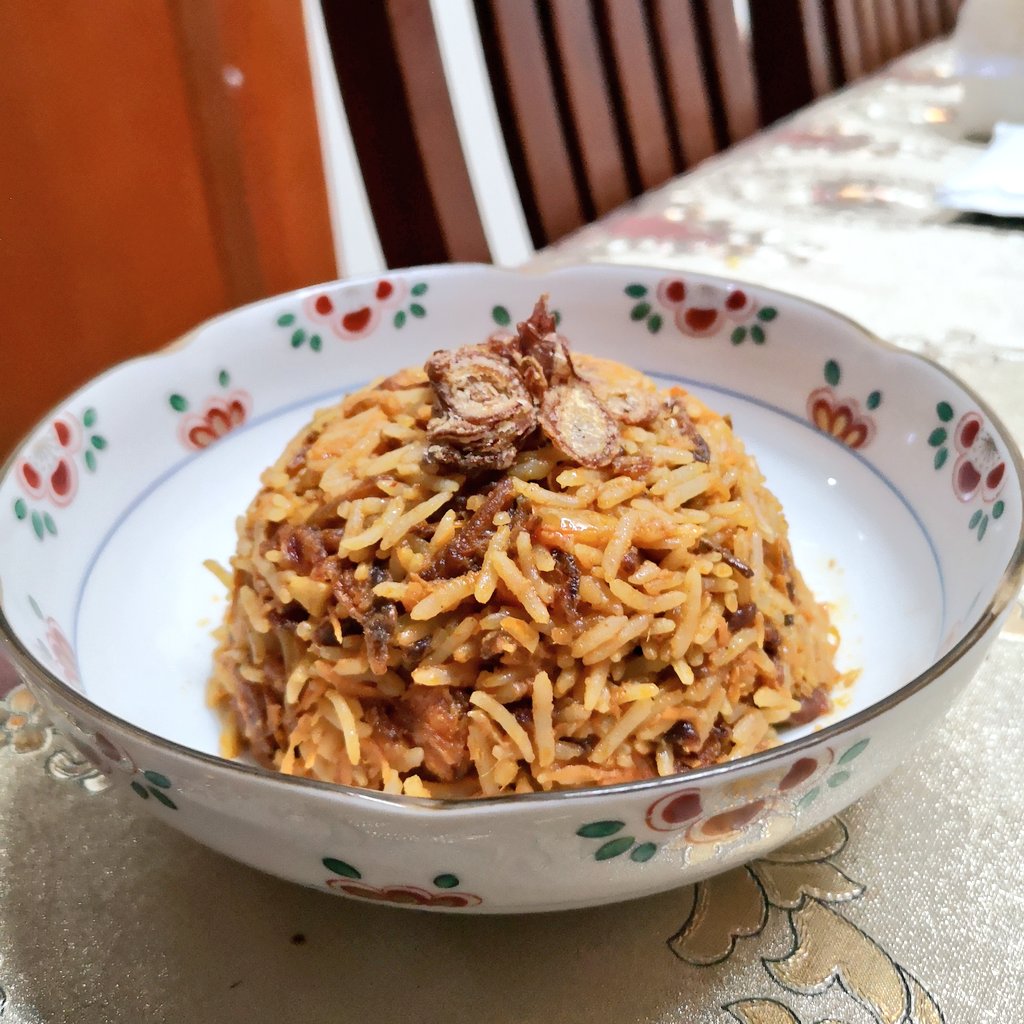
<point>691,383</point>
<point>318,399</point>
<point>168,474</point>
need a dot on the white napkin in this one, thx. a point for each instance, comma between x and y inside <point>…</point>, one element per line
<point>994,183</point>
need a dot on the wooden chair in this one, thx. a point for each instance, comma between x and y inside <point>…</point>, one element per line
<point>887,26</point>
<point>793,55</point>
<point>600,100</point>
<point>485,128</point>
<point>593,101</point>
<point>862,35</point>
<point>948,11</point>
<point>389,71</point>
<point>804,49</point>
<point>931,18</point>
<point>842,29</point>
<point>924,20</point>
<point>912,30</point>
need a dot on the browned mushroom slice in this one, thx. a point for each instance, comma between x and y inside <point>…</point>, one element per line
<point>477,387</point>
<point>630,396</point>
<point>579,425</point>
<point>539,341</point>
<point>534,378</point>
<point>633,408</point>
<point>484,410</point>
<point>541,321</point>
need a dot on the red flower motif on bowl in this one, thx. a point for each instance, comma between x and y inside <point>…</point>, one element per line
<point>674,810</point>
<point>701,310</point>
<point>359,321</point>
<point>980,467</point>
<point>409,895</point>
<point>840,417</point>
<point>685,811</point>
<point>730,823</point>
<point>738,305</point>
<point>48,471</point>
<point>218,417</point>
<point>62,651</point>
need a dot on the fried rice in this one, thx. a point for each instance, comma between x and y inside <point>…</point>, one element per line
<point>513,570</point>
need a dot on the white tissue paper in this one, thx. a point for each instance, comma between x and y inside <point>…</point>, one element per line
<point>994,183</point>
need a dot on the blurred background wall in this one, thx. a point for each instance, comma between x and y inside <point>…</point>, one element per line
<point>159,163</point>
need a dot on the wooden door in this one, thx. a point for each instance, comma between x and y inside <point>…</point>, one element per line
<point>160,163</point>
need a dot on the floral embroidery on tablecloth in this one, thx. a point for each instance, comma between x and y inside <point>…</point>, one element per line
<point>826,949</point>
<point>25,729</point>
<point>23,725</point>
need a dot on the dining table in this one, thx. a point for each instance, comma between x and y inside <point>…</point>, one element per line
<point>917,890</point>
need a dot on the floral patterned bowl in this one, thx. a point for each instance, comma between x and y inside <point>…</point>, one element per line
<point>902,490</point>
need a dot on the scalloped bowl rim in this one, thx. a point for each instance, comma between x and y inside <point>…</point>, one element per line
<point>1004,591</point>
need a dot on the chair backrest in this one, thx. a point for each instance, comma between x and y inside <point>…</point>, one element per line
<point>581,104</point>
<point>842,27</point>
<point>485,128</point>
<point>600,100</point>
<point>931,18</point>
<point>862,35</point>
<point>948,10</point>
<point>888,27</point>
<point>389,70</point>
<point>792,55</point>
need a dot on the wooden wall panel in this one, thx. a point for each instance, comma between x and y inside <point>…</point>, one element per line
<point>91,268</point>
<point>279,141</point>
<point>110,242</point>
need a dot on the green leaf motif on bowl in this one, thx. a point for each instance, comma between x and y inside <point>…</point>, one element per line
<point>600,829</point>
<point>153,784</point>
<point>639,853</point>
<point>50,471</point>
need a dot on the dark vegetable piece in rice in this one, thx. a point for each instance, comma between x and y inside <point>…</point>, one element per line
<point>813,706</point>
<point>728,557</point>
<point>465,551</point>
<point>678,416</point>
<point>435,718</point>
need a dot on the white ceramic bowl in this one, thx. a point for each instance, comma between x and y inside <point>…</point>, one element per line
<point>902,490</point>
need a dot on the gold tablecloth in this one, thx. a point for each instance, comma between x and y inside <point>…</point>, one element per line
<point>909,909</point>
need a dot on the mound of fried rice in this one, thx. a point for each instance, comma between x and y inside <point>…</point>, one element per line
<point>511,571</point>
